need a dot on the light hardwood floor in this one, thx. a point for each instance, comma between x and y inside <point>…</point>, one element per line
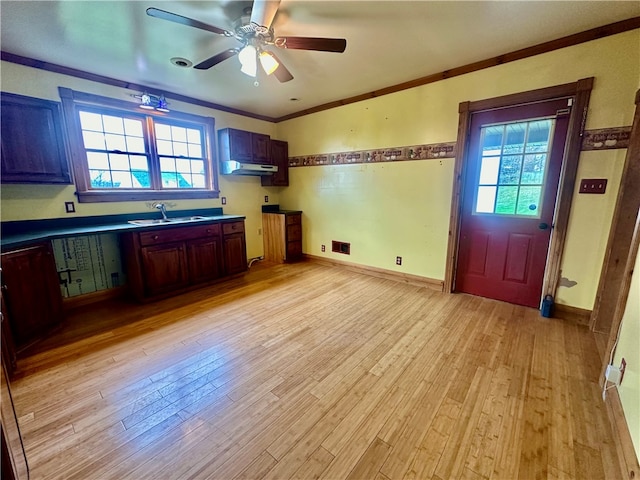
<point>310,371</point>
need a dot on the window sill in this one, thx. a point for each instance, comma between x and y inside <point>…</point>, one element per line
<point>93,196</point>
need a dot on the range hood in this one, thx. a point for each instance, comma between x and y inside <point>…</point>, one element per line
<point>231,167</point>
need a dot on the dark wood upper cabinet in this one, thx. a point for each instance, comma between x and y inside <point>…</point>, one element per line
<point>32,142</point>
<point>243,146</point>
<point>279,158</point>
<point>260,146</point>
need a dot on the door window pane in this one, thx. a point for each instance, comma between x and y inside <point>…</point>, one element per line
<point>512,168</point>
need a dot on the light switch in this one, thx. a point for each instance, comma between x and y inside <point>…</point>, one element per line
<point>593,185</point>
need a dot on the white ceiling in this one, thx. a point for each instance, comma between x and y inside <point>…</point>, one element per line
<point>388,42</point>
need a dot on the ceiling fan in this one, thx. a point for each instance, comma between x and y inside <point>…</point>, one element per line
<point>256,35</point>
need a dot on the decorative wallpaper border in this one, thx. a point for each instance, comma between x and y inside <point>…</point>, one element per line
<point>606,138</point>
<point>433,151</point>
<point>597,139</point>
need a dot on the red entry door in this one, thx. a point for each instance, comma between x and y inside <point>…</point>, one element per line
<point>514,162</point>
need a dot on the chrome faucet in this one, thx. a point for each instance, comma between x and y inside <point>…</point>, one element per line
<point>163,209</point>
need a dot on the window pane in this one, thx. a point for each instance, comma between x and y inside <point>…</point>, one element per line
<point>100,178</point>
<point>180,149</point>
<point>179,134</point>
<point>93,140</point>
<point>492,140</point>
<point>193,136</point>
<point>132,127</point>
<point>510,170</point>
<point>141,179</point>
<point>97,161</point>
<point>119,162</point>
<point>529,201</point>
<point>506,200</point>
<point>538,139</point>
<point>91,121</point>
<point>533,169</point>
<point>163,132</point>
<point>113,124</point>
<point>167,165</point>
<point>489,170</point>
<point>195,151</point>
<point>184,180</point>
<point>486,199</point>
<point>135,144</point>
<point>138,162</point>
<point>198,181</point>
<point>169,180</point>
<point>514,142</point>
<point>122,179</point>
<point>197,166</point>
<point>115,142</point>
<point>183,166</point>
<point>164,147</point>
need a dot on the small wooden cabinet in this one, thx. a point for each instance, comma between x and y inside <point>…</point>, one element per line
<point>32,141</point>
<point>164,261</point>
<point>31,292</point>
<point>279,158</point>
<point>282,237</point>
<point>243,146</point>
<point>235,247</point>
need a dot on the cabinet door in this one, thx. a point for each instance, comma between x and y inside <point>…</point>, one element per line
<point>240,147</point>
<point>280,158</point>
<point>261,151</point>
<point>32,293</point>
<point>205,259</point>
<point>32,141</point>
<point>164,267</point>
<point>235,253</point>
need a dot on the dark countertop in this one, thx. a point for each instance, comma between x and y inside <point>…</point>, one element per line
<point>276,209</point>
<point>22,233</point>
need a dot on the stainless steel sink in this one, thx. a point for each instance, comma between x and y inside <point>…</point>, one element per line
<point>156,221</point>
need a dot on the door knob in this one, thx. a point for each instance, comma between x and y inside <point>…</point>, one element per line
<point>543,226</point>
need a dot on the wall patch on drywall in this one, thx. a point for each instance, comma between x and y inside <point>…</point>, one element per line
<point>565,282</point>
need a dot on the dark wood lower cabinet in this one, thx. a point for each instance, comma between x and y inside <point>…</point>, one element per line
<point>31,293</point>
<point>235,247</point>
<point>169,260</point>
<point>204,258</point>
<point>165,268</point>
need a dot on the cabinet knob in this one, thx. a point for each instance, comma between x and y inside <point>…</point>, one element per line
<point>208,230</point>
<point>4,288</point>
<point>155,237</point>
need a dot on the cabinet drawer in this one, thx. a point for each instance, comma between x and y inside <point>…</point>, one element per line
<point>157,237</point>
<point>294,233</point>
<point>232,227</point>
<point>294,219</point>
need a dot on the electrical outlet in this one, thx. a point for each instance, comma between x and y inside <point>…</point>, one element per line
<point>223,200</point>
<point>398,260</point>
<point>266,199</point>
<point>323,248</point>
<point>69,207</point>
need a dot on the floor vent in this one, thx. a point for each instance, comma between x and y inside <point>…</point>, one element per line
<point>341,247</point>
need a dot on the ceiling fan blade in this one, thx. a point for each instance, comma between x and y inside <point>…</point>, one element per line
<point>337,45</point>
<point>173,17</point>
<point>281,73</point>
<point>216,59</point>
<point>263,12</point>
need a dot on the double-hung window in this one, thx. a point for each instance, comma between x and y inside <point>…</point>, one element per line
<point>122,153</point>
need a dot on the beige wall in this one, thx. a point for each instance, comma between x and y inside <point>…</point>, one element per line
<point>402,209</point>
<point>245,195</point>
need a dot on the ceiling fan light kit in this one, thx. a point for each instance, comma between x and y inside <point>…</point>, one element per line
<point>255,34</point>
